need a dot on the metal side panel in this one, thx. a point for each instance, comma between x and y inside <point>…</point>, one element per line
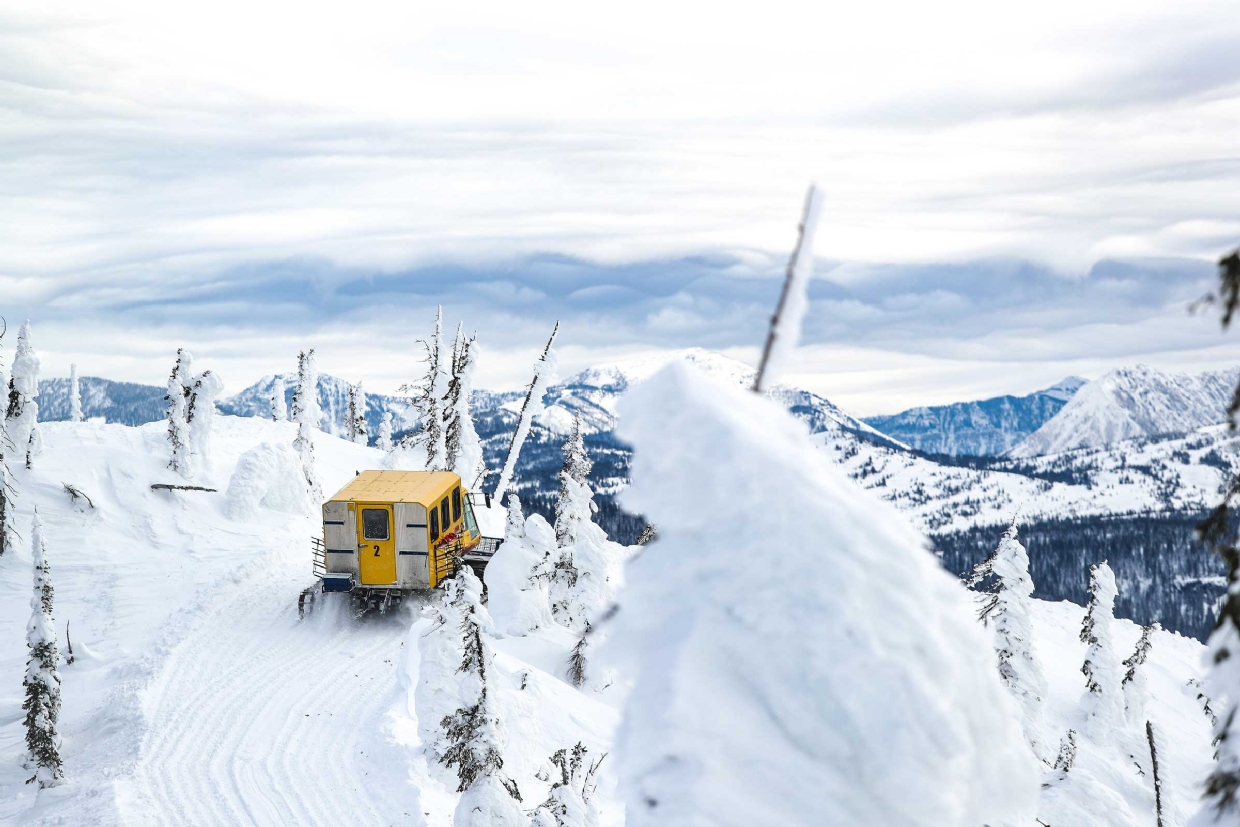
<point>411,548</point>
<point>340,538</point>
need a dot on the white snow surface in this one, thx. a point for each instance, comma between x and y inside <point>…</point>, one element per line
<point>798,656</point>
<point>198,698</point>
<point>1136,401</point>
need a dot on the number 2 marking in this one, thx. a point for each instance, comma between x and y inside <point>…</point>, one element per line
<point>376,551</point>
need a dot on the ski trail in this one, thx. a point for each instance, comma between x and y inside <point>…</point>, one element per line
<point>260,719</point>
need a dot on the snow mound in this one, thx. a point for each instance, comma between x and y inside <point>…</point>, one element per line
<point>799,658</point>
<point>268,475</point>
<point>1132,402</point>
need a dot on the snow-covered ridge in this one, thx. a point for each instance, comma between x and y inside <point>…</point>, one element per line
<point>594,392</point>
<point>986,427</point>
<point>1131,402</point>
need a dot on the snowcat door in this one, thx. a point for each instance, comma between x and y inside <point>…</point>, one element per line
<point>376,545</point>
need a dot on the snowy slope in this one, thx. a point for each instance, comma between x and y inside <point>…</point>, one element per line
<point>1168,474</point>
<point>1132,402</point>
<point>987,427</point>
<point>199,699</point>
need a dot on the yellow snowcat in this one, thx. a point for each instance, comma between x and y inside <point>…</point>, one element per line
<point>388,534</point>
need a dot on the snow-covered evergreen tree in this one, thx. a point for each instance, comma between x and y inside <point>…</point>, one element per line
<point>204,390</point>
<point>1104,699</point>
<point>178,429</point>
<point>848,672</point>
<point>461,441</point>
<point>1008,612</point>
<point>384,440</point>
<point>519,574</point>
<point>575,504</point>
<point>570,801</point>
<point>23,410</point>
<point>75,395</point>
<point>279,408</point>
<point>42,683</point>
<point>356,415</point>
<point>431,397</point>
<point>307,415</point>
<point>544,377</point>
<point>1222,682</point>
<point>585,566</point>
<point>8,532</point>
<point>473,734</point>
<point>1135,683</point>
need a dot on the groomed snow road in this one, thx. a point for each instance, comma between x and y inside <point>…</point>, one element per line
<point>261,718</point>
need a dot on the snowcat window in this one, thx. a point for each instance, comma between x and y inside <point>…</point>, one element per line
<point>471,524</point>
<point>443,514</point>
<point>374,524</point>
<point>456,504</point>
<point>434,524</point>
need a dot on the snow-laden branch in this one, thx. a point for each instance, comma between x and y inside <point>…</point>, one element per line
<point>785,331</point>
<point>544,376</point>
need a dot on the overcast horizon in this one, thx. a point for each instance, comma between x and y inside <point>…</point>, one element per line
<point>247,181</point>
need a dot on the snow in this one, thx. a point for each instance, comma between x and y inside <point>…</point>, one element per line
<point>268,475</point>
<point>519,601</point>
<point>1132,402</point>
<point>198,697</point>
<point>798,657</point>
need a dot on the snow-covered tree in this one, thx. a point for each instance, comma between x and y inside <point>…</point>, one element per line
<point>279,408</point>
<point>473,734</point>
<point>8,532</point>
<point>544,377</point>
<point>204,390</point>
<point>519,574</point>
<point>575,504</point>
<point>584,567</point>
<point>431,397</point>
<point>1222,682</point>
<point>355,427</point>
<point>307,415</point>
<point>1104,699</point>
<point>461,441</point>
<point>23,410</point>
<point>42,683</point>
<point>384,441</point>
<point>579,658</point>
<point>178,428</point>
<point>848,673</point>
<point>1008,612</point>
<point>570,801</point>
<point>1135,684</point>
<point>75,395</point>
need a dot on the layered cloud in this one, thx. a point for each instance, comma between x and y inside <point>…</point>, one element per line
<point>1011,193</point>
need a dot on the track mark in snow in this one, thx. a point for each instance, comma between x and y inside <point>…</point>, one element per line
<point>258,718</point>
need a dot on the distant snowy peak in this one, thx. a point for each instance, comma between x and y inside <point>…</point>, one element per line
<point>987,427</point>
<point>593,394</point>
<point>1064,389</point>
<point>1131,402</point>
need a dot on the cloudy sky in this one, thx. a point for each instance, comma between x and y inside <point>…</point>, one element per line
<point>1013,194</point>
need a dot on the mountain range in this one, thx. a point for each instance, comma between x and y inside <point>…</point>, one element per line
<point>1131,402</point>
<point>986,427</point>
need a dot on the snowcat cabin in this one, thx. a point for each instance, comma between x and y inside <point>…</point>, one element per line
<point>396,531</point>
